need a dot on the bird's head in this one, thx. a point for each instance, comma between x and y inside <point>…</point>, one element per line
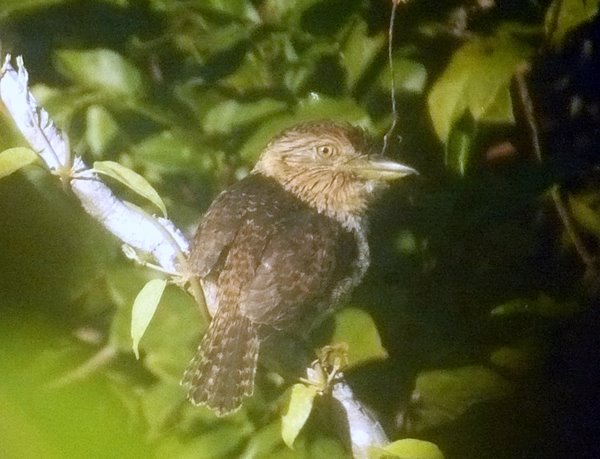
<point>329,165</point>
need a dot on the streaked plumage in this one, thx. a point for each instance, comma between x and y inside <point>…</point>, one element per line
<point>280,249</point>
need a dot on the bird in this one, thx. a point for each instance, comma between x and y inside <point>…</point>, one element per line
<point>281,249</point>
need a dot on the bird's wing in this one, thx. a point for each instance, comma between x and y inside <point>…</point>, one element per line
<point>223,221</point>
<point>215,232</point>
<point>297,268</point>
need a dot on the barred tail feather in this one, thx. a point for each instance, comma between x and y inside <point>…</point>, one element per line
<point>222,372</point>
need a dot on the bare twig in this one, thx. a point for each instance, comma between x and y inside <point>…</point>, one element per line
<point>562,210</point>
<point>93,364</point>
<point>392,128</point>
<point>528,110</point>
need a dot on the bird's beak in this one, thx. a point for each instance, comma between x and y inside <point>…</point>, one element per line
<point>376,167</point>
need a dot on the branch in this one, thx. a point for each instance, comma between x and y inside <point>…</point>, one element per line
<point>154,236</point>
<point>364,429</point>
<point>563,212</point>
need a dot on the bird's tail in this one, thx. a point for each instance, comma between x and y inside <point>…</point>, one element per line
<point>222,372</point>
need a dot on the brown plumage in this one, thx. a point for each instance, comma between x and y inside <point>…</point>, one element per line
<point>280,249</point>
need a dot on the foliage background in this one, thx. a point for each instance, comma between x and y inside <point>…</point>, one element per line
<point>477,292</point>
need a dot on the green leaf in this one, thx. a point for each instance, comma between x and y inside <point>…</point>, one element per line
<point>143,310</point>
<point>62,104</point>
<point>12,8</point>
<point>101,129</point>
<point>100,69</point>
<point>175,333</point>
<point>13,159</point>
<point>166,150</point>
<point>263,442</point>
<point>518,360</point>
<point>299,408</point>
<point>231,114</point>
<point>219,442</point>
<point>407,448</point>
<point>477,79</point>
<point>444,395</point>
<point>132,180</point>
<point>317,106</point>
<point>325,447</point>
<point>459,149</point>
<point>159,403</point>
<point>585,208</point>
<point>543,305</point>
<point>565,15</point>
<point>409,76</point>
<point>241,9</point>
<point>215,39</point>
<point>313,107</point>
<point>360,50</point>
<point>251,75</point>
<point>284,11</point>
<point>356,328</point>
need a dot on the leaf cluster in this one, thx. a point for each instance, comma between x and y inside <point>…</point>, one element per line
<point>478,311</point>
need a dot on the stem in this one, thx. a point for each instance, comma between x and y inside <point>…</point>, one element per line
<point>97,361</point>
<point>392,128</point>
<point>561,209</point>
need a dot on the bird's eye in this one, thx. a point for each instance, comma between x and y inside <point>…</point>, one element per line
<point>327,151</point>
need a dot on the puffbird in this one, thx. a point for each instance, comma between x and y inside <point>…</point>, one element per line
<point>280,249</point>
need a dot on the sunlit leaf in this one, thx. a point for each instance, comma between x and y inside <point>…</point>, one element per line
<point>409,76</point>
<point>299,408</point>
<point>459,149</point>
<point>100,69</point>
<point>241,9</point>
<point>359,51</point>
<point>132,180</point>
<point>251,74</point>
<point>166,150</point>
<point>278,11</point>
<point>407,448</point>
<point>444,395</point>
<point>143,310</point>
<point>477,79</point>
<point>232,114</point>
<point>356,328</point>
<point>499,110</point>
<point>101,129</point>
<point>216,39</point>
<point>565,15</point>
<point>170,342</point>
<point>13,159</point>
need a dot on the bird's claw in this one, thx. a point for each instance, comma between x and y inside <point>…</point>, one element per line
<point>326,369</point>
